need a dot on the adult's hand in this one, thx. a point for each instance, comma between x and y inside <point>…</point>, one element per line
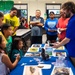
<point>50,30</point>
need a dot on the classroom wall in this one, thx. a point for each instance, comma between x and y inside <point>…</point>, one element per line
<point>33,6</point>
<point>38,4</point>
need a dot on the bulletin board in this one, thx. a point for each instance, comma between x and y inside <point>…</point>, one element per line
<point>6,5</point>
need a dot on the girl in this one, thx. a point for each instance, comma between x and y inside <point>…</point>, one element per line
<point>5,62</point>
<point>7,31</point>
<point>50,27</point>
<point>23,23</point>
<point>17,47</point>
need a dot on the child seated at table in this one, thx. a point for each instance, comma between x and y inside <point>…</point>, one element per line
<point>7,31</point>
<point>5,63</point>
<point>17,48</point>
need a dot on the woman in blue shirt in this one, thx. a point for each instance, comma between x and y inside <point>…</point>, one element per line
<point>50,27</point>
<point>69,40</point>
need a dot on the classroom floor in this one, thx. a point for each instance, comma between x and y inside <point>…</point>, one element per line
<point>28,42</point>
<point>44,38</point>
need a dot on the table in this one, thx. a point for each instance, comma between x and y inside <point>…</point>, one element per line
<point>19,68</point>
<point>23,33</point>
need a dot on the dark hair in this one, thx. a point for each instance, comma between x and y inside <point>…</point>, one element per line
<point>51,12</point>
<point>0,39</point>
<point>0,42</point>
<point>15,43</point>
<point>13,8</point>
<point>69,6</point>
<point>1,14</point>
<point>5,27</point>
<point>23,18</point>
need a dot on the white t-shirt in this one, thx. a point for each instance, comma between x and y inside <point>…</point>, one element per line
<point>3,68</point>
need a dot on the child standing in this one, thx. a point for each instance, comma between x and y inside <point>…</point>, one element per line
<point>17,47</point>
<point>5,62</point>
<point>50,27</point>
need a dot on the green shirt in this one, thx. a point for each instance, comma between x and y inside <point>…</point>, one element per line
<point>14,54</point>
<point>8,45</point>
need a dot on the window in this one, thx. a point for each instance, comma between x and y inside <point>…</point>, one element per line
<point>53,7</point>
<point>22,10</point>
<point>56,12</point>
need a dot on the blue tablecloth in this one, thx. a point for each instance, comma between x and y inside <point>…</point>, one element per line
<point>26,60</point>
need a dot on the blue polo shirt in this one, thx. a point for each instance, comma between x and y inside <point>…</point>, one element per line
<point>37,30</point>
<point>70,33</point>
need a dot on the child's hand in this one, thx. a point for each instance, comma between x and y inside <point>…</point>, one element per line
<point>18,57</point>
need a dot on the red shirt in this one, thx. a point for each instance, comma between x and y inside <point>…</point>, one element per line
<point>26,25</point>
<point>62,23</point>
